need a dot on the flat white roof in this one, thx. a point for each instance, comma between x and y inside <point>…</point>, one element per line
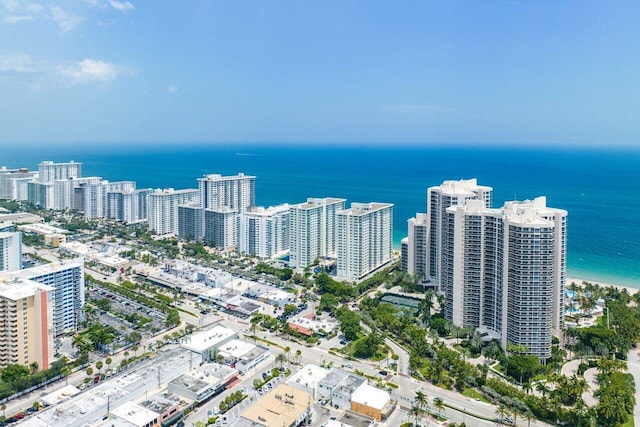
<point>134,413</point>
<point>204,340</point>
<point>238,285</point>
<point>21,288</point>
<point>237,348</point>
<point>370,396</point>
<point>60,394</point>
<point>308,376</point>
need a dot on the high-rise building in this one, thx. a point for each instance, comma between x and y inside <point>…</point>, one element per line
<point>68,294</point>
<point>191,223</point>
<point>162,208</point>
<point>127,205</point>
<point>64,191</point>
<point>10,179</point>
<point>364,239</point>
<point>221,227</point>
<point>312,230</point>
<point>235,192</point>
<point>265,232</point>
<point>49,171</point>
<point>26,320</point>
<point>40,194</point>
<point>439,198</point>
<point>504,271</point>
<point>10,251</point>
<point>414,253</point>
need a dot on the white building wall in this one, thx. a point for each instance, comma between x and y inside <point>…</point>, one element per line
<point>10,251</point>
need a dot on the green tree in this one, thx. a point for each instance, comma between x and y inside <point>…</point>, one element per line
<point>99,365</point>
<point>438,403</point>
<point>13,372</point>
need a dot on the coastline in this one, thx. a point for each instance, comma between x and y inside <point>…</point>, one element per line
<point>629,289</point>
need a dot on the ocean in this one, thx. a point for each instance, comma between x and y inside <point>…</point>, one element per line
<point>600,188</point>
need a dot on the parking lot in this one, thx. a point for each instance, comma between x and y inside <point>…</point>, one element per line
<point>126,316</point>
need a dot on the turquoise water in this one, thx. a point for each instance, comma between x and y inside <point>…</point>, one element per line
<point>599,188</point>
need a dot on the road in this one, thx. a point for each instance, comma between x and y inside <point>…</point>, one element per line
<point>406,385</point>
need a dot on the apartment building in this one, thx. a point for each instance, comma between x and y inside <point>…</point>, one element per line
<point>364,239</point>
<point>312,230</point>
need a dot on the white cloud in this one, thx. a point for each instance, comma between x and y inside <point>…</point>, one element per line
<point>172,89</point>
<point>17,63</point>
<point>34,8</point>
<point>14,19</point>
<point>66,21</point>
<point>11,5</point>
<point>122,6</point>
<point>90,70</point>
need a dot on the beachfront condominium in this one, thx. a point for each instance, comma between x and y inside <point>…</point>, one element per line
<point>221,227</point>
<point>127,206</point>
<point>265,232</point>
<point>364,239</point>
<point>41,192</point>
<point>162,208</point>
<point>13,182</point>
<point>220,194</point>
<point>312,230</point>
<point>64,191</point>
<point>414,246</point>
<point>439,198</point>
<point>49,171</point>
<point>503,271</point>
<point>235,192</point>
<point>68,294</point>
<point>10,251</point>
<point>26,323</point>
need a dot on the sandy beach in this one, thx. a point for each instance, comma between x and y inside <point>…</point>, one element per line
<point>604,285</point>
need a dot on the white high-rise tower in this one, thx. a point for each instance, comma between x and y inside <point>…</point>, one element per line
<point>439,198</point>
<point>503,271</point>
<point>364,239</point>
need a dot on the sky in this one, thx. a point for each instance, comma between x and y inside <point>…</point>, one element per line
<point>335,72</point>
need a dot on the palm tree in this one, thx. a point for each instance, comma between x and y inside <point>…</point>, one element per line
<point>438,403</point>
<point>281,358</point>
<point>529,416</point>
<point>287,350</point>
<point>298,355</point>
<point>501,412</point>
<point>527,387</point>
<point>421,400</point>
<point>516,413</point>
<point>415,413</point>
<point>4,410</point>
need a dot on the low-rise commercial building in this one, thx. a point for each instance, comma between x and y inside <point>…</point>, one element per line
<point>284,406</point>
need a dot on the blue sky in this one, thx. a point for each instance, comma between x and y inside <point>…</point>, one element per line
<point>519,72</point>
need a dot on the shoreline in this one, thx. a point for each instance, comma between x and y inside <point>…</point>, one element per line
<point>629,289</point>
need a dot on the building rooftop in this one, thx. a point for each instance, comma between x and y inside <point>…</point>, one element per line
<point>308,376</point>
<point>312,203</point>
<point>191,383</point>
<point>334,377</point>
<point>370,396</point>
<point>134,414</point>
<point>364,208</point>
<point>160,403</point>
<point>280,407</point>
<point>236,348</point>
<point>213,337</point>
<point>19,288</point>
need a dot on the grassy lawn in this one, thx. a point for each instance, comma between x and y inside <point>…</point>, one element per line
<point>469,392</point>
<point>629,422</point>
